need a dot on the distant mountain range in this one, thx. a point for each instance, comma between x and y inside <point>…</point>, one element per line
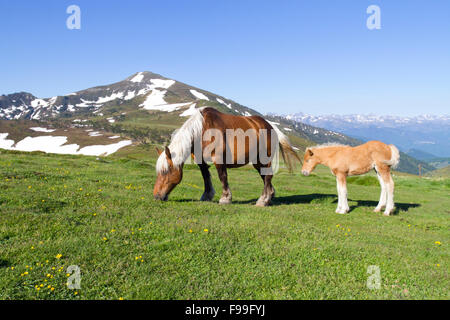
<point>424,136</point>
<point>140,110</point>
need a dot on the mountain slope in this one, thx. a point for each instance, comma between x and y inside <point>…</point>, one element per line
<point>145,107</point>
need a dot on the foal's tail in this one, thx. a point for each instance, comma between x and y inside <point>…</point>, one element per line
<point>395,157</point>
<point>287,151</point>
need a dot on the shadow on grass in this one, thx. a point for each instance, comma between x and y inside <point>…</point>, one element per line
<point>398,206</point>
<point>305,198</point>
<point>330,198</point>
<point>317,198</point>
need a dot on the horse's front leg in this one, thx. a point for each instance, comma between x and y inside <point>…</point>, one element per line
<point>268,191</point>
<point>341,181</point>
<point>223,176</point>
<point>209,193</point>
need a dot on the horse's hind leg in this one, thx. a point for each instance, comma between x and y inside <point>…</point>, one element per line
<point>383,194</point>
<point>209,193</point>
<point>268,191</point>
<point>223,176</point>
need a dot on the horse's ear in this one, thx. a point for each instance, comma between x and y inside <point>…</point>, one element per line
<point>158,151</point>
<point>168,153</point>
<point>310,152</point>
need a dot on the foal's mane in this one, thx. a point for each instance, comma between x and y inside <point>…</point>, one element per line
<point>181,144</point>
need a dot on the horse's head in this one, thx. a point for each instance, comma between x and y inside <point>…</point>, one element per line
<point>310,161</point>
<point>168,178</point>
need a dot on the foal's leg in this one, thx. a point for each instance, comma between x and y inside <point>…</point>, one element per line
<point>341,180</point>
<point>390,192</point>
<point>223,176</point>
<point>383,194</point>
<point>209,193</point>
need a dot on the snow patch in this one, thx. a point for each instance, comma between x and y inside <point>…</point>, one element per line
<point>104,150</point>
<point>138,77</point>
<point>39,103</point>
<point>155,98</point>
<point>56,144</point>
<point>118,95</point>
<point>49,144</point>
<point>5,143</point>
<point>160,83</point>
<point>168,107</point>
<point>223,102</point>
<point>39,129</point>
<point>130,95</point>
<point>199,95</point>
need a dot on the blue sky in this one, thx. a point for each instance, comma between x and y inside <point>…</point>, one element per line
<point>275,56</point>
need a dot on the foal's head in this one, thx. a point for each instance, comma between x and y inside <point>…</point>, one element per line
<point>310,161</point>
<point>168,178</point>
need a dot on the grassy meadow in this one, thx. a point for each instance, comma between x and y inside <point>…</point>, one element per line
<point>99,214</point>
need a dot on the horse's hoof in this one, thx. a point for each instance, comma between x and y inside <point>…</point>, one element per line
<point>207,197</point>
<point>261,203</point>
<point>225,201</point>
<point>377,210</point>
<point>340,211</point>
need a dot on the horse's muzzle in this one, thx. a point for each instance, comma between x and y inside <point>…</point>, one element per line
<point>305,173</point>
<point>160,197</point>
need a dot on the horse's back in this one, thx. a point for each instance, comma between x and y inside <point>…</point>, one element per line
<point>240,143</point>
<point>216,119</point>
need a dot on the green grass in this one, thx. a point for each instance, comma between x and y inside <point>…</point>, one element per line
<point>100,215</point>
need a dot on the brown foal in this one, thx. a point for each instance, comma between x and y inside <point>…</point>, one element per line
<point>347,161</point>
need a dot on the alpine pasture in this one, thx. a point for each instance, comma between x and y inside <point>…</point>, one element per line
<point>99,214</point>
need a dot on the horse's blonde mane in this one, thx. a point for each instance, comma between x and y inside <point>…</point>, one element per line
<point>326,145</point>
<point>181,142</point>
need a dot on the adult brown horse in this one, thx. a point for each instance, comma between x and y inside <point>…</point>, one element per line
<point>228,141</point>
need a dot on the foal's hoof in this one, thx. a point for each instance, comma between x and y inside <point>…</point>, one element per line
<point>225,201</point>
<point>377,210</point>
<point>387,213</point>
<point>341,211</point>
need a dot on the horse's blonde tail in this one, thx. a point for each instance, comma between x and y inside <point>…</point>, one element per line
<point>287,151</point>
<point>395,157</point>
